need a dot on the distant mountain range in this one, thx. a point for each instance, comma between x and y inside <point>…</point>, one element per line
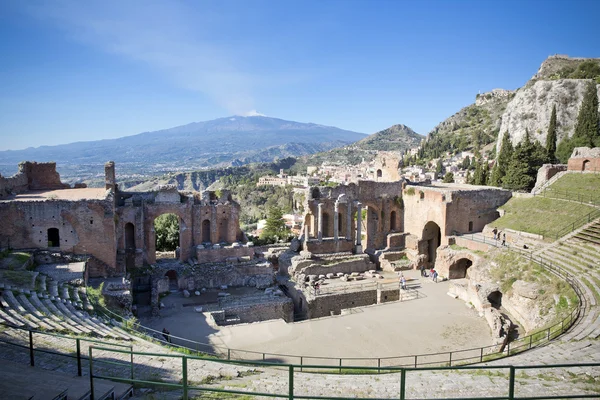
<point>234,140</point>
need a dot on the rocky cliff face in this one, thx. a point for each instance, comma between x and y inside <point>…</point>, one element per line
<point>531,108</point>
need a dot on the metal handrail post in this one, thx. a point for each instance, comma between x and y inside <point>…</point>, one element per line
<point>91,374</point>
<point>78,357</point>
<point>31,355</point>
<point>291,383</point>
<point>185,383</point>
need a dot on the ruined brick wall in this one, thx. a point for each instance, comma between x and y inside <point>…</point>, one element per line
<point>42,176</point>
<point>454,211</point>
<point>13,185</point>
<point>585,159</point>
<point>330,246</point>
<point>31,176</point>
<point>84,227</point>
<point>323,306</point>
<point>268,310</point>
<point>381,202</point>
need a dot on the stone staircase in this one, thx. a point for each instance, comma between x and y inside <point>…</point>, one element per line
<point>45,310</point>
<point>579,254</point>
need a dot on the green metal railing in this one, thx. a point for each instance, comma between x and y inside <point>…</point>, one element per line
<point>73,352</point>
<point>186,386</point>
<point>582,198</point>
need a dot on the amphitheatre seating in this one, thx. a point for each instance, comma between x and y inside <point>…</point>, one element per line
<point>590,234</point>
<point>580,255</point>
<point>54,314</point>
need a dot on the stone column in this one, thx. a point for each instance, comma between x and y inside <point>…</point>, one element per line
<point>320,222</point>
<point>348,221</point>
<point>336,223</point>
<point>358,247</point>
<point>306,234</point>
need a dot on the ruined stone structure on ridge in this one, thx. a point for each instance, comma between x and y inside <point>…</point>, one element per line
<point>115,227</point>
<point>584,159</point>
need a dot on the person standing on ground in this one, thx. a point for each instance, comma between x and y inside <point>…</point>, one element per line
<point>167,335</point>
<point>495,232</point>
<point>422,270</point>
<point>403,282</point>
<point>435,276</point>
<point>504,239</point>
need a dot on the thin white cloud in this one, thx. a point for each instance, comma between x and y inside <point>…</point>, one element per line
<point>177,40</point>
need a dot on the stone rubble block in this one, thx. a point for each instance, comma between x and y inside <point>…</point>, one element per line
<point>198,309</point>
<point>330,275</point>
<point>223,287</point>
<point>186,293</point>
<point>197,293</point>
<point>223,294</point>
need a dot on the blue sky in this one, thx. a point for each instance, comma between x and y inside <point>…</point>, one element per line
<point>87,70</point>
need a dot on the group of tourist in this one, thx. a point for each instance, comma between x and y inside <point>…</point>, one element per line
<point>498,234</point>
<point>432,273</point>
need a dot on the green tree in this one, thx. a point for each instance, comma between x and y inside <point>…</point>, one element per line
<point>504,157</point>
<point>551,137</point>
<point>166,228</point>
<point>275,228</point>
<point>449,177</point>
<point>522,169</point>
<point>466,163</point>
<point>439,168</point>
<point>481,172</point>
<point>587,129</point>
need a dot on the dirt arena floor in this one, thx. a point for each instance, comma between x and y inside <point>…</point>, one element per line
<point>433,323</point>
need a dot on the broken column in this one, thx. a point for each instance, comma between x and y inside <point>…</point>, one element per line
<point>320,222</point>
<point>358,247</point>
<point>336,220</point>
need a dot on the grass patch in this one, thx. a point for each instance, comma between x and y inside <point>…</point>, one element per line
<point>22,279</point>
<point>540,215</point>
<point>585,187</point>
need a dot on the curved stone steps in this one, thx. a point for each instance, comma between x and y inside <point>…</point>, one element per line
<point>582,253</point>
<point>8,319</point>
<point>72,324</point>
<point>80,323</point>
<point>14,314</point>
<point>567,257</point>
<point>568,260</point>
<point>591,299</point>
<point>97,328</point>
<point>17,307</point>
<point>35,300</point>
<point>24,301</point>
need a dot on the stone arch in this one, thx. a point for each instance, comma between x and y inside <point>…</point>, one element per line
<point>164,241</point>
<point>223,229</point>
<point>340,227</point>
<point>586,166</point>
<point>458,269</point>
<point>53,237</point>
<point>495,299</point>
<point>206,231</point>
<point>153,211</point>
<point>326,232</point>
<point>393,221</point>
<point>315,193</point>
<point>432,234</point>
<point>379,173</point>
<point>129,236</point>
<point>173,279</point>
